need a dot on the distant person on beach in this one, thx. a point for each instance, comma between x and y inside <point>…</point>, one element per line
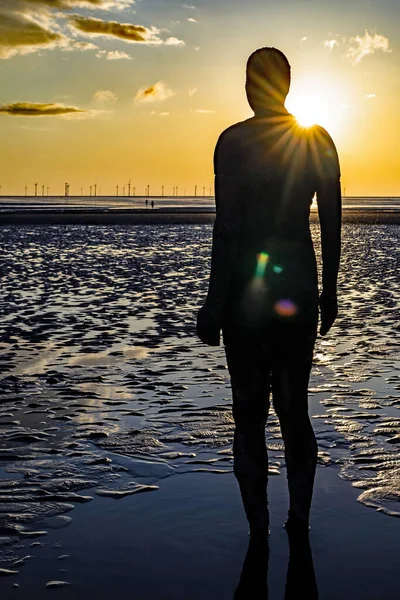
<point>263,287</point>
<point>147,202</point>
<point>152,204</point>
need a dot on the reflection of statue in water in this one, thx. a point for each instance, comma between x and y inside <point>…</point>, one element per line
<point>300,579</point>
<point>263,290</point>
<point>253,581</point>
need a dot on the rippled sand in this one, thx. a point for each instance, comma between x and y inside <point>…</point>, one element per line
<point>99,362</point>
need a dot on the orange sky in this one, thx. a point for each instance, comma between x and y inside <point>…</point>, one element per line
<point>110,90</point>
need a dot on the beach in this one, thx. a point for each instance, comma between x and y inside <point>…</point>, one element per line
<point>143,140</point>
<point>188,210</point>
<point>161,217</point>
<point>116,430</point>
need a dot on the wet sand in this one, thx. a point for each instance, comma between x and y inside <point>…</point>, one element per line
<point>162,216</point>
<point>115,447</point>
<point>190,541</point>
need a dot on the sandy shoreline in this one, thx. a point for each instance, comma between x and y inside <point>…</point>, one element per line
<point>162,217</point>
<point>105,392</point>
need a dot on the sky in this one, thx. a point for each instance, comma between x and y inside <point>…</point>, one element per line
<point>107,91</point>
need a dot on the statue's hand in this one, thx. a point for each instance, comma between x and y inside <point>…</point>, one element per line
<point>329,311</point>
<point>208,326</point>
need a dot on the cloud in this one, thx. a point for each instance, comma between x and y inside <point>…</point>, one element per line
<point>33,109</point>
<point>123,31</point>
<point>192,20</point>
<point>361,46</point>
<point>204,111</point>
<point>189,6</point>
<point>331,44</point>
<point>304,39</point>
<point>84,46</point>
<point>117,55</point>
<point>104,96</point>
<point>370,95</point>
<point>20,34</point>
<point>172,41</point>
<point>160,114</point>
<point>70,46</point>
<point>28,26</point>
<point>192,92</point>
<point>67,4</point>
<point>87,114</point>
<point>113,55</point>
<point>155,93</point>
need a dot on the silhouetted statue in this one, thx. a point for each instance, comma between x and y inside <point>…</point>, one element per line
<point>263,290</point>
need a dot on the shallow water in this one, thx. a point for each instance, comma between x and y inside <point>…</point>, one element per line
<point>104,385</point>
<point>201,202</point>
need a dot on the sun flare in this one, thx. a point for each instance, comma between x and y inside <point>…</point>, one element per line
<point>308,110</point>
<point>317,102</point>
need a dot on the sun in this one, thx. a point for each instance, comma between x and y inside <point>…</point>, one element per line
<point>317,101</point>
<point>307,109</point>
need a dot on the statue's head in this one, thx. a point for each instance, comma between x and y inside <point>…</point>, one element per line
<point>267,79</point>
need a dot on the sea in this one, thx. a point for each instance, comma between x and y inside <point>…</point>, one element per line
<point>204,203</point>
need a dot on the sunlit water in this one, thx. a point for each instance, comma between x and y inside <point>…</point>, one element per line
<point>167,202</point>
<point>104,385</point>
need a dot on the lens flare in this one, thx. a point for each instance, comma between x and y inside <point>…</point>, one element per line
<point>277,269</point>
<point>262,261</point>
<point>285,308</point>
